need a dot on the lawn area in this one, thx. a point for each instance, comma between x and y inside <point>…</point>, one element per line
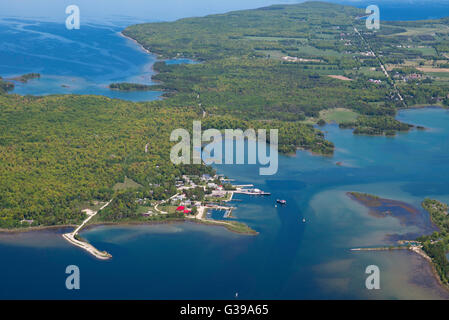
<point>168,208</point>
<point>412,31</point>
<point>304,51</point>
<point>371,73</point>
<point>127,184</point>
<point>338,115</point>
<point>427,51</point>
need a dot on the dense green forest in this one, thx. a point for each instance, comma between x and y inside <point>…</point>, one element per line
<point>58,153</point>
<point>376,125</point>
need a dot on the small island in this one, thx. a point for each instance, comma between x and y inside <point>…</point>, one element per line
<point>26,77</point>
<point>125,86</point>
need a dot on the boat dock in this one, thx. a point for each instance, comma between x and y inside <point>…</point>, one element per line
<point>253,193</point>
<point>218,207</point>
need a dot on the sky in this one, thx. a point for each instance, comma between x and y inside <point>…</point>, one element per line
<point>147,10</point>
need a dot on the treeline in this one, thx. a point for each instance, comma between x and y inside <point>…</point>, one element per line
<point>124,86</point>
<point>376,125</point>
<point>292,135</point>
<point>424,93</point>
<point>436,245</point>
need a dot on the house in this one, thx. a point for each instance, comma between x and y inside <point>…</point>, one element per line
<point>147,214</point>
<point>179,197</point>
<point>375,81</point>
<point>180,208</point>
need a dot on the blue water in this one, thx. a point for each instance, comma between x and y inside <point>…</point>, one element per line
<point>405,10</point>
<point>288,259</point>
<point>83,61</point>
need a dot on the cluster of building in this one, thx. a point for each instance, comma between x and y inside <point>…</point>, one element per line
<point>408,77</point>
<point>185,205</point>
<point>376,81</point>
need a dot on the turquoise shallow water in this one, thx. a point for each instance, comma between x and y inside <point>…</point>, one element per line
<point>83,61</point>
<point>289,259</point>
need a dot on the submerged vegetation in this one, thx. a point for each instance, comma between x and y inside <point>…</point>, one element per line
<point>124,86</point>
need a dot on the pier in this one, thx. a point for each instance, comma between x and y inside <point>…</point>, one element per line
<point>252,192</point>
<point>71,237</point>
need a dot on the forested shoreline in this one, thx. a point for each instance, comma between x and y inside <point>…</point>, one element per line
<point>267,68</point>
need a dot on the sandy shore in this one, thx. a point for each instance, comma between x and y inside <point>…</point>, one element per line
<point>137,43</point>
<point>38,228</point>
<point>414,249</point>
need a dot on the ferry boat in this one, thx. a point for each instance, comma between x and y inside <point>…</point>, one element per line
<point>281,201</point>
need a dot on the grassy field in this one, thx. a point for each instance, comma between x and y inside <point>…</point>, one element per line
<point>371,73</point>
<point>338,115</point>
<point>127,184</point>
<point>411,31</point>
<point>428,51</point>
